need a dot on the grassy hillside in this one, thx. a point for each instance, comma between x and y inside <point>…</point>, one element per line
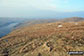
<point>48,39</point>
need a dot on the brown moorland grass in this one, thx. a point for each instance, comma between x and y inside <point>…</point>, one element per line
<point>44,40</point>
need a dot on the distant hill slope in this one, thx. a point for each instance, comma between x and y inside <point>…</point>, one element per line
<point>72,19</point>
<point>41,21</point>
<point>6,23</point>
<point>48,39</point>
<point>37,21</point>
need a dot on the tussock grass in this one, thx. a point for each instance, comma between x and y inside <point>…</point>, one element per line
<point>44,40</point>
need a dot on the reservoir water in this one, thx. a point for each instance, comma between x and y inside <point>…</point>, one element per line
<point>7,29</point>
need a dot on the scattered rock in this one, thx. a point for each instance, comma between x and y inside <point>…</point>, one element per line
<point>59,26</point>
<point>48,46</point>
<point>76,23</point>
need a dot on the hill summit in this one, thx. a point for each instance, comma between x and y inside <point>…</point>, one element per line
<point>48,39</point>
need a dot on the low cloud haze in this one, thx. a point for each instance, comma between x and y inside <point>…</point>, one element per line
<point>40,8</point>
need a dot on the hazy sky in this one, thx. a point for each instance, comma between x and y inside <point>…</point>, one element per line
<point>29,8</point>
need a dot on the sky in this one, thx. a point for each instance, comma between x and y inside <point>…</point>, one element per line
<point>39,8</point>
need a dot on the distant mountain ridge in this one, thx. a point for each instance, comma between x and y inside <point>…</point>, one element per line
<point>73,19</point>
